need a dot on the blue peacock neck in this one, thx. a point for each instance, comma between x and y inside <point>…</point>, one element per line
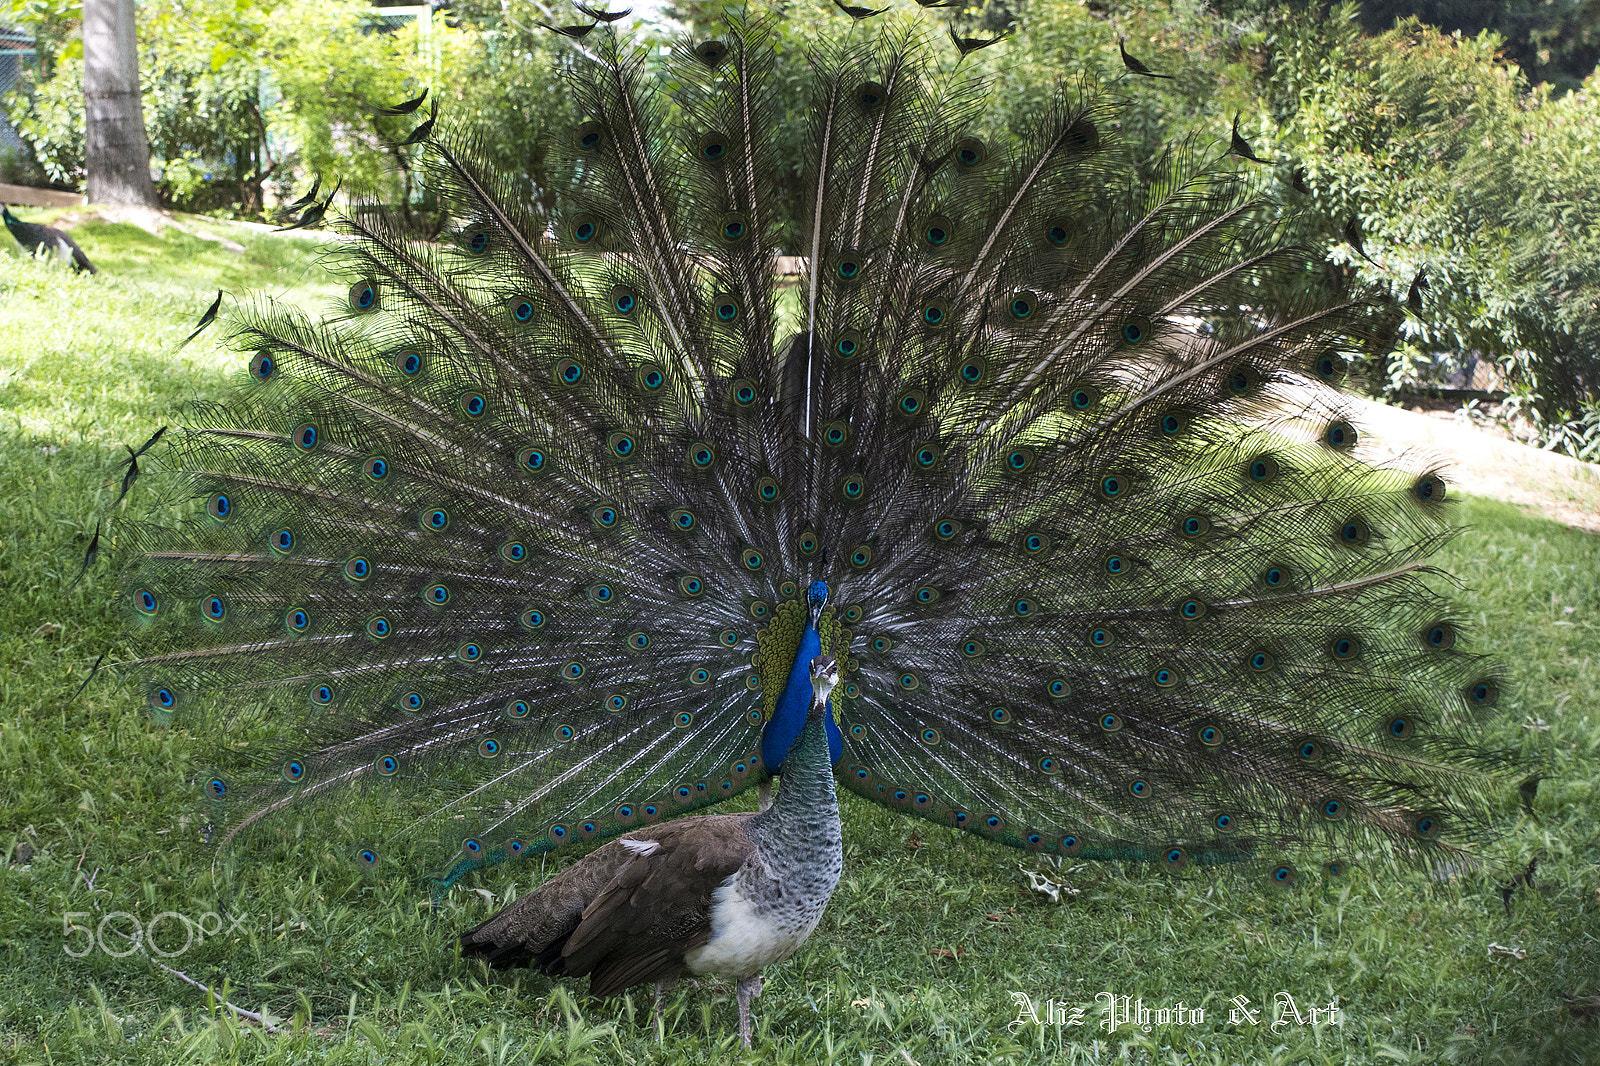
<point>789,717</point>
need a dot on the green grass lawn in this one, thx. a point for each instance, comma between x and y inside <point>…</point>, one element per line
<point>923,947</point>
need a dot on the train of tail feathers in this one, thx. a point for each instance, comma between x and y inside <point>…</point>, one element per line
<point>541,539</point>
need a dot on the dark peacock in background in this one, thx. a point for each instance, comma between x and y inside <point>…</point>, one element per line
<point>519,545</point>
<point>38,239</point>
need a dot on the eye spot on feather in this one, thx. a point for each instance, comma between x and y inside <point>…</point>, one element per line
<point>971,153</point>
<point>588,136</point>
<point>727,308</point>
<point>364,296</point>
<point>1340,436</point>
<point>1277,577</point>
<point>713,147</point>
<point>733,229</point>
<point>621,445</point>
<point>711,53</point>
<point>1261,470</point>
<point>584,231</point>
<point>1400,727</point>
<point>1019,460</point>
<point>1242,381</point>
<point>1327,366</point>
<point>870,96</point>
<point>567,372</point>
<point>1429,488</point>
<point>1441,636</point>
<point>532,460</point>
<point>1354,533</point>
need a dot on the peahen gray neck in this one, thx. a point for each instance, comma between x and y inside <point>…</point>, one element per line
<point>798,836</point>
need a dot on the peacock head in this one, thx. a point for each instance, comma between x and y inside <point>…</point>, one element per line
<point>816,600</point>
<point>824,675</point>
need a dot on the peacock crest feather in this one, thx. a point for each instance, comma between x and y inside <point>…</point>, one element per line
<point>531,538</point>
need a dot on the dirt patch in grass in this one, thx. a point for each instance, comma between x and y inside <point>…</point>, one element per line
<point>1478,461</point>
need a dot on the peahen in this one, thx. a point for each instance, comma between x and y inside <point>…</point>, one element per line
<point>518,545</point>
<point>726,894</point>
<point>38,239</point>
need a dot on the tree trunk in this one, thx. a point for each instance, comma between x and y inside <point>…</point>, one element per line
<point>116,148</point>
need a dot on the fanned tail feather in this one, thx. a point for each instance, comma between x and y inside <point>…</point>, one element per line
<point>518,543</point>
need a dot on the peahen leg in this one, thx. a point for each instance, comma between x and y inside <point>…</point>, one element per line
<point>749,988</point>
<point>661,998</point>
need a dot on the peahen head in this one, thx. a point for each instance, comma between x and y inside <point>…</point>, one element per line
<point>824,675</point>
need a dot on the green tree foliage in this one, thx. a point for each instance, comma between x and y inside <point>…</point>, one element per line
<point>1433,140</point>
<point>1457,169</point>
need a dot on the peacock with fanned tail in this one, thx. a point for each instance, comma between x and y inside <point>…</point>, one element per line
<point>520,544</point>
